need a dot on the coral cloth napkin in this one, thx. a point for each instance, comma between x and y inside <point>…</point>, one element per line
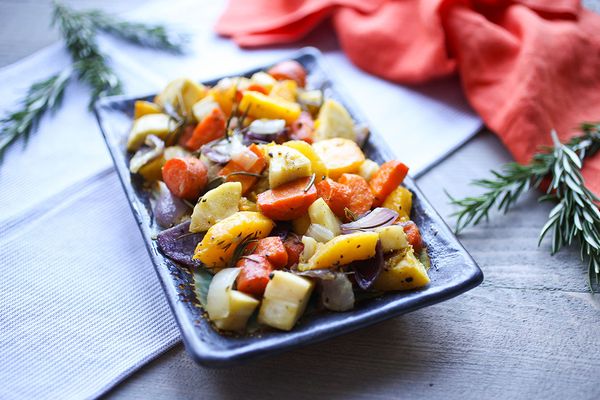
<point>526,66</point>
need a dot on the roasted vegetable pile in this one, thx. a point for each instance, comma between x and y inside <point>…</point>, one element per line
<point>262,182</point>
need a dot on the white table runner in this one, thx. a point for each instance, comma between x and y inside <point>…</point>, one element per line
<point>80,305</point>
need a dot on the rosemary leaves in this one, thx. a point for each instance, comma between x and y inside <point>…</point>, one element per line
<point>88,61</point>
<point>91,66</point>
<point>42,96</point>
<point>575,218</point>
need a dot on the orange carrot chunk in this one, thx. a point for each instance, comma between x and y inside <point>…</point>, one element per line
<point>289,70</point>
<point>210,128</point>
<point>272,249</point>
<point>413,235</point>
<point>389,176</point>
<point>257,88</point>
<point>336,195</point>
<point>254,274</point>
<point>186,135</point>
<point>361,197</point>
<point>185,177</point>
<point>288,201</point>
<point>247,181</point>
<point>294,248</point>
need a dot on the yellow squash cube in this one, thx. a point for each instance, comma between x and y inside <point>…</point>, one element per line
<point>263,106</point>
<point>318,166</point>
<point>216,205</point>
<point>340,156</point>
<point>263,79</point>
<point>400,200</point>
<point>152,171</point>
<point>221,240</point>
<point>367,169</point>
<point>223,96</point>
<point>285,90</point>
<point>286,164</point>
<point>241,307</point>
<point>300,225</point>
<point>285,300</point>
<point>142,108</point>
<point>344,249</point>
<point>403,272</point>
<point>182,94</point>
<point>204,107</point>
<point>320,213</point>
<point>334,121</point>
<point>150,124</point>
<point>392,238</point>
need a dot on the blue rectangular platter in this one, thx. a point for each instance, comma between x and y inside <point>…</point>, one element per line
<point>452,272</point>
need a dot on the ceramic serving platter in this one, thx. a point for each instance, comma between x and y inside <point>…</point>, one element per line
<point>452,272</point>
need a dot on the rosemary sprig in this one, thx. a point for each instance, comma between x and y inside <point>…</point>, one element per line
<point>90,65</point>
<point>241,248</point>
<point>244,173</point>
<point>79,30</point>
<point>574,219</point>
<point>234,113</point>
<point>89,62</point>
<point>503,190</point>
<point>178,117</point>
<point>42,96</point>
<point>576,216</point>
<point>145,35</point>
<point>219,180</point>
<point>310,183</point>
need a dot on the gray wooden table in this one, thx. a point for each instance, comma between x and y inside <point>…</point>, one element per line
<point>531,330</point>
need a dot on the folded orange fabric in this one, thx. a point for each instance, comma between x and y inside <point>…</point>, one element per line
<point>526,66</point>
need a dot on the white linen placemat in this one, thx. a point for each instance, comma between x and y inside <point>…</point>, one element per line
<point>80,305</point>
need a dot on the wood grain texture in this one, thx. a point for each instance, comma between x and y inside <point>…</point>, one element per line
<point>488,343</point>
<point>530,331</point>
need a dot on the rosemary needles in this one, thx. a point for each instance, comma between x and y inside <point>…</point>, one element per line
<point>42,96</point>
<point>574,219</point>
<point>90,65</point>
<point>89,62</point>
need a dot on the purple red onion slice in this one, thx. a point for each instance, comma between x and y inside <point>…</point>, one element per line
<point>377,218</point>
<point>168,209</point>
<point>178,244</point>
<point>367,271</point>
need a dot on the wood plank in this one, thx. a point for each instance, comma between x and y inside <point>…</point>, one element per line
<point>488,343</point>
